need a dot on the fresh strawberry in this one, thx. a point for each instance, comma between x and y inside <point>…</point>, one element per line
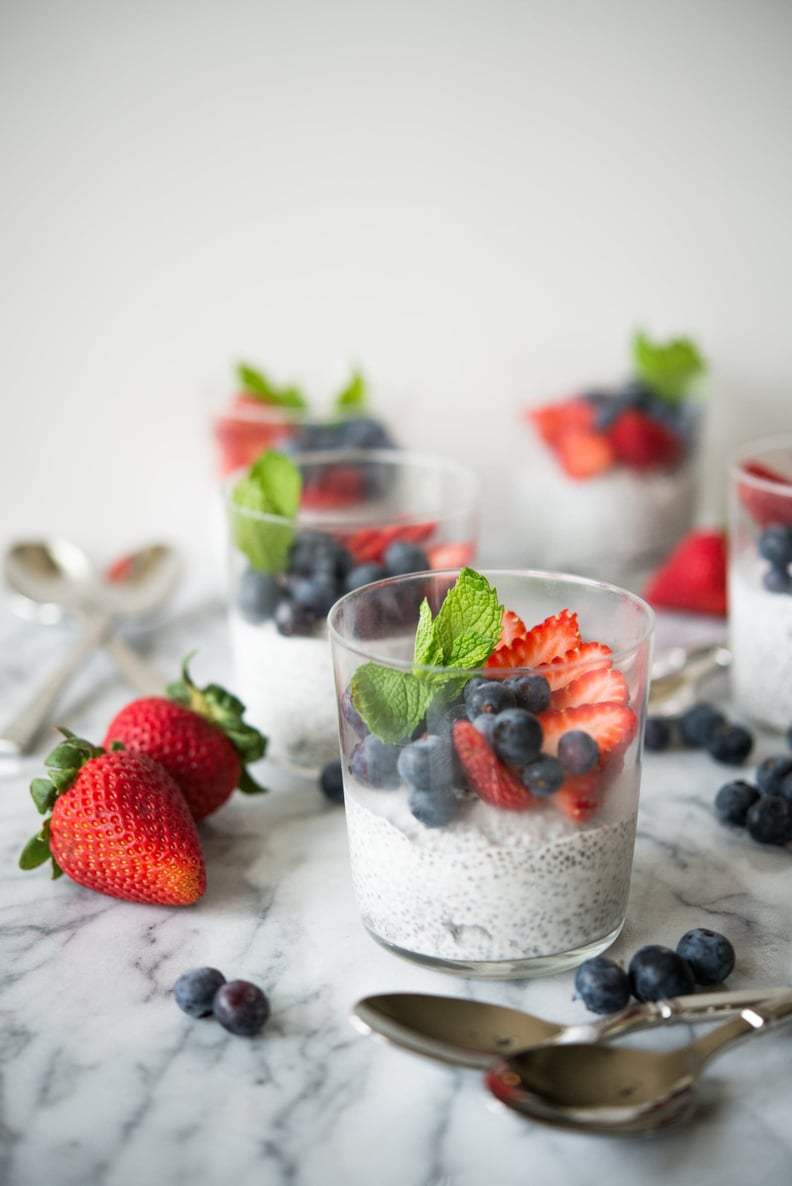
<point>763,504</point>
<point>333,487</point>
<point>551,639</point>
<point>584,454</point>
<point>198,736</point>
<point>445,556</point>
<point>592,656</point>
<point>595,686</point>
<point>369,544</point>
<point>556,420</point>
<point>612,725</point>
<point>492,781</point>
<point>580,796</point>
<point>641,442</point>
<point>241,438</point>
<point>117,824</point>
<point>512,627</point>
<point>693,576</point>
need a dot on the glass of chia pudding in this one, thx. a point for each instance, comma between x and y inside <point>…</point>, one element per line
<point>614,469</point>
<point>303,530</point>
<point>491,734</point>
<point>760,579</point>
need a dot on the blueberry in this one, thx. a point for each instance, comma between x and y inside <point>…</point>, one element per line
<point>730,744</point>
<point>374,763</point>
<point>241,1007</point>
<point>775,546</point>
<point>516,736</point>
<point>769,820</point>
<point>402,558</point>
<point>485,723</point>
<point>316,551</point>
<point>194,991</point>
<point>733,800</point>
<point>657,972</point>
<point>350,714</point>
<point>364,432</point>
<point>257,595</point>
<point>544,776</point>
<point>602,985</point>
<point>433,807</point>
<point>441,716</point>
<point>293,620</point>
<point>427,764</point>
<point>578,752</point>
<point>709,954</point>
<point>658,734</point>
<point>698,723</point>
<point>363,574</point>
<point>331,782</point>
<point>316,593</point>
<point>487,695</point>
<point>772,772</point>
<point>777,580</point>
<point>531,692</point>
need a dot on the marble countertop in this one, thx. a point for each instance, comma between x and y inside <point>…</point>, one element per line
<point>106,1083</point>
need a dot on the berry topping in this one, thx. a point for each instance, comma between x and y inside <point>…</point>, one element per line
<point>543,776</point>
<point>578,752</point>
<point>516,736</point>
<point>612,726</point>
<point>241,1007</point>
<point>487,695</point>
<point>642,442</point>
<point>512,627</point>
<point>552,639</point>
<point>492,781</point>
<point>433,807</point>
<point>770,501</point>
<point>657,973</point>
<point>374,762</point>
<point>194,991</point>
<point>709,954</point>
<point>532,692</point>
<point>594,686</point>
<point>693,576</point>
<point>427,764</point>
<point>602,985</point>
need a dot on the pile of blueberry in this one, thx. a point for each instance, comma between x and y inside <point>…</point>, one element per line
<point>240,1007</point>
<point>656,972</point>
<point>319,570</point>
<point>763,807</point>
<point>775,546</point>
<point>680,417</point>
<point>702,726</point>
<point>349,432</point>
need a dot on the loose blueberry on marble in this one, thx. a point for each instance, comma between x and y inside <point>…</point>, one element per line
<point>578,752</point>
<point>516,736</point>
<point>657,972</point>
<point>544,776</point>
<point>195,990</point>
<point>602,985</point>
<point>658,734</point>
<point>487,695</point>
<point>374,763</point>
<point>698,723</point>
<point>241,1008</point>
<point>773,774</point>
<point>769,820</point>
<point>730,744</point>
<point>709,954</point>
<point>733,800</point>
<point>331,782</point>
<point>531,692</point>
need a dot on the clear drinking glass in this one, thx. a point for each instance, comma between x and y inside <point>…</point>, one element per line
<point>445,875</point>
<point>760,579</point>
<point>363,513</point>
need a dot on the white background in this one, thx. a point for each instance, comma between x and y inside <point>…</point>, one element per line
<point>476,202</point>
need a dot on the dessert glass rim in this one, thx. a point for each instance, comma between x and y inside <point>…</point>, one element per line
<point>758,447</point>
<point>367,652</point>
<point>465,500</point>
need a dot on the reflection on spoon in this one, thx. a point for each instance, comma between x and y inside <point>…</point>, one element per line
<point>611,1089</point>
<point>48,578</point>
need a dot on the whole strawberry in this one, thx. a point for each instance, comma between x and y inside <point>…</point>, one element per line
<point>198,735</point>
<point>116,823</point>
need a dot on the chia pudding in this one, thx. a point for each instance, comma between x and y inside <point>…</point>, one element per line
<point>760,630</point>
<point>490,887</point>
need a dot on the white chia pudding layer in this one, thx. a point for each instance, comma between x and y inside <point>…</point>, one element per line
<point>286,685</point>
<point>760,629</point>
<point>617,526</point>
<point>491,885</point>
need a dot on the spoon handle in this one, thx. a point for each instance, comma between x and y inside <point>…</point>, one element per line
<point>644,1014</point>
<point>750,1020</point>
<point>18,736</point>
<point>135,669</point>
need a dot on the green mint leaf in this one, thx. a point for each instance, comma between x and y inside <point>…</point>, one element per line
<point>256,383</point>
<point>669,368</point>
<point>470,650</point>
<point>270,487</point>
<point>470,607</point>
<point>353,397</point>
<point>391,702</point>
<point>428,651</point>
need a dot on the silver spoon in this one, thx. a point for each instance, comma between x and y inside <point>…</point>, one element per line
<point>475,1033</point>
<point>678,673</point>
<point>54,577</point>
<point>612,1089</point>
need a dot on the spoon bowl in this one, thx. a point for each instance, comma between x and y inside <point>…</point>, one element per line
<point>612,1089</point>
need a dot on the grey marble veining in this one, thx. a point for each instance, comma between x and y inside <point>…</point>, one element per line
<point>106,1083</point>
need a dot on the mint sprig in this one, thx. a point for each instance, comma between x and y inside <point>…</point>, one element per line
<point>256,383</point>
<point>462,636</point>
<point>354,397</point>
<point>669,368</point>
<point>271,486</point>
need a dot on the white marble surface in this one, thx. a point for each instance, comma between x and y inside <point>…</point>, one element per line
<point>105,1081</point>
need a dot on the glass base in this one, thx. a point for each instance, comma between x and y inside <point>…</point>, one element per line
<point>516,969</point>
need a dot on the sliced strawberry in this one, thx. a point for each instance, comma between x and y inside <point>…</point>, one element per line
<point>492,781</point>
<point>693,577</point>
<point>584,454</point>
<point>594,656</point>
<point>593,687</point>
<point>641,442</point>
<point>369,544</point>
<point>335,486</point>
<point>512,626</point>
<point>553,421</point>
<point>612,725</point>
<point>552,638</point>
<point>579,796</point>
<point>764,505</point>
<point>450,555</point>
